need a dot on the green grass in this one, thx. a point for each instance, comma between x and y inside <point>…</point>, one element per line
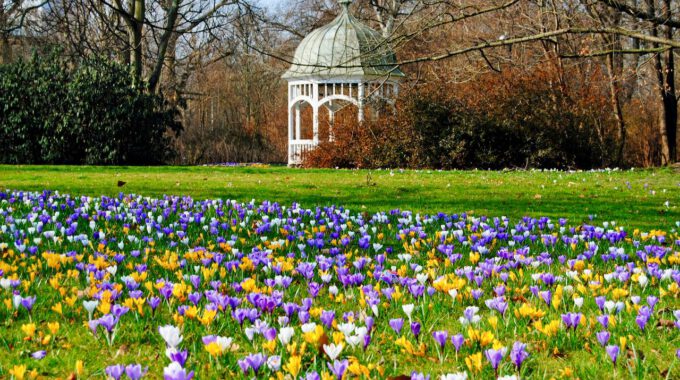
<point>631,198</point>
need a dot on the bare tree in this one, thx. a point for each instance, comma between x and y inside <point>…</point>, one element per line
<point>13,15</point>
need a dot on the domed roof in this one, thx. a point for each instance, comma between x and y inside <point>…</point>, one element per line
<point>344,48</point>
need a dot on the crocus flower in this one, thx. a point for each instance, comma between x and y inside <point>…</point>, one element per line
<point>38,355</point>
<point>90,306</point>
<point>454,376</point>
<point>396,324</point>
<point>440,337</point>
<point>327,317</point>
<point>28,302</point>
<point>174,371</point>
<point>338,368</point>
<point>419,376</point>
<point>603,337</point>
<point>171,335</point>
<point>495,356</point>
<point>613,352</point>
<point>571,320</point>
<point>457,341</point>
<point>255,361</point>
<point>115,371</point>
<point>408,310</point>
<point>604,320</point>
<point>285,335</point>
<point>135,371</point>
<point>332,350</point>
<point>518,354</point>
<point>415,329</point>
<point>178,356</point>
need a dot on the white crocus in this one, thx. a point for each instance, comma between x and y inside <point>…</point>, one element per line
<point>286,334</point>
<point>354,340</point>
<point>90,306</point>
<point>361,331</point>
<point>454,294</point>
<point>224,342</point>
<point>643,280</point>
<point>250,333</point>
<point>308,327</point>
<point>16,300</point>
<point>346,328</point>
<point>171,335</point>
<point>5,283</point>
<point>578,301</point>
<point>455,376</point>
<point>610,306</point>
<point>332,350</point>
<point>374,309</point>
<point>408,310</point>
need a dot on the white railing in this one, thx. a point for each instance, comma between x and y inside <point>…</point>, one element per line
<point>297,149</point>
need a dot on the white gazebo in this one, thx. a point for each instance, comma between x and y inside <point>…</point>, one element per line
<point>340,64</point>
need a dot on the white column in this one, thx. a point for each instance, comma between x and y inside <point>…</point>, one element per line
<point>362,90</point>
<point>316,123</point>
<point>315,108</point>
<point>298,135</point>
<point>290,134</point>
<point>331,122</point>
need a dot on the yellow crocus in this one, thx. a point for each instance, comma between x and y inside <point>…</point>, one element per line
<point>18,372</point>
<point>293,366</point>
<point>28,329</point>
<point>474,362</point>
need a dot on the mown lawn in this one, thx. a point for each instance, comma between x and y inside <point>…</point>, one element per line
<point>85,284</point>
<point>635,198</point>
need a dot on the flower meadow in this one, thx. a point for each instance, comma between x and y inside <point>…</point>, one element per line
<point>132,287</point>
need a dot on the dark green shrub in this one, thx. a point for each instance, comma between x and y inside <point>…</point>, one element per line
<point>88,113</point>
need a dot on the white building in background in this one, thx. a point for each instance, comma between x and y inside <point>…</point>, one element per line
<point>344,63</point>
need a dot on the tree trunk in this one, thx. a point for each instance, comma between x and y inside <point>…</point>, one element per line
<point>5,49</point>
<point>665,72</point>
<point>135,35</point>
<point>614,91</point>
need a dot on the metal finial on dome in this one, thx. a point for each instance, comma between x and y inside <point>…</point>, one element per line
<point>345,4</point>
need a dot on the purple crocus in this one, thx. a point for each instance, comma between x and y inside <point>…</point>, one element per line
<point>115,371</point>
<point>651,301</point>
<point>518,354</point>
<point>603,337</point>
<point>327,317</point>
<point>571,320</point>
<point>135,371</point>
<point>457,341</point>
<point>338,368</point>
<point>396,324</point>
<point>28,302</point>
<point>108,321</point>
<point>154,302</point>
<point>440,337</point>
<point>415,329</point>
<point>255,361</point>
<point>546,296</point>
<point>179,356</point>
<point>39,354</point>
<point>419,376</point>
<point>643,316</point>
<point>174,371</point>
<point>604,320</point>
<point>613,352</point>
<point>495,356</point>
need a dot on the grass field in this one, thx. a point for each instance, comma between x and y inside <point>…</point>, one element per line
<point>190,285</point>
<point>636,198</point>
